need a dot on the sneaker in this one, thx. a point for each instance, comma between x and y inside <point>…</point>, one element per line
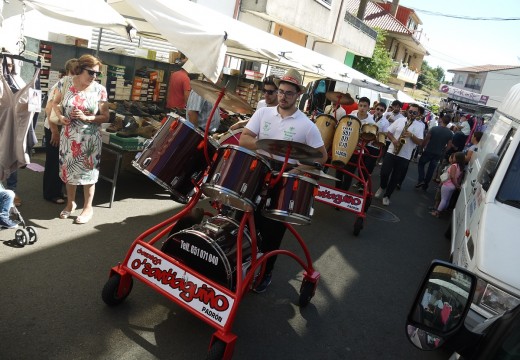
<point>262,287</point>
<point>386,201</point>
<point>379,193</point>
<point>419,184</point>
<point>17,201</point>
<point>7,223</point>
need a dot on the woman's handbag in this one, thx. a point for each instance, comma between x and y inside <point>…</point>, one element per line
<point>53,117</point>
<point>445,174</point>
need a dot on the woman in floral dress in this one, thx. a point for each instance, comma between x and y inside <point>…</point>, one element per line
<point>82,110</point>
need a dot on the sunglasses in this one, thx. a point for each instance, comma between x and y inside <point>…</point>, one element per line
<point>286,93</point>
<point>413,112</point>
<point>92,72</point>
<point>269,92</point>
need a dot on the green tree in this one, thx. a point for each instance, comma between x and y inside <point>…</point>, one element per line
<point>379,66</point>
<point>429,77</point>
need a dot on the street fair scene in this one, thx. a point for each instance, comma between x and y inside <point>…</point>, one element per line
<point>229,180</point>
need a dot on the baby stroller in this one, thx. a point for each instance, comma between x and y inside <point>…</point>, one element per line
<point>26,234</point>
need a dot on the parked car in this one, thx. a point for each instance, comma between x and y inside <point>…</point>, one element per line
<point>438,317</point>
<point>485,224</point>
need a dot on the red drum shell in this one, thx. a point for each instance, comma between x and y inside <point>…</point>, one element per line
<point>291,199</point>
<point>174,158</point>
<point>236,177</point>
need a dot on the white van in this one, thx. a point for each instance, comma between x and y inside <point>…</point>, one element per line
<point>485,236</point>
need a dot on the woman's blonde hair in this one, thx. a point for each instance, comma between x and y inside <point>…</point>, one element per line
<point>70,66</point>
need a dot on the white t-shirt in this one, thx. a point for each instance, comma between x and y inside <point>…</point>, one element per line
<point>368,120</point>
<point>397,127</point>
<point>261,104</point>
<point>392,117</point>
<point>267,123</point>
<point>383,124</point>
<point>340,112</point>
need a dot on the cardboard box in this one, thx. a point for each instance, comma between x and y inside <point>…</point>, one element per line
<point>105,136</point>
<point>81,42</point>
<point>173,55</point>
<point>62,38</point>
<point>145,53</point>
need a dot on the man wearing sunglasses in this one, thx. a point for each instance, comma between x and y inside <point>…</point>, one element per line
<point>395,163</point>
<point>270,92</point>
<point>282,122</point>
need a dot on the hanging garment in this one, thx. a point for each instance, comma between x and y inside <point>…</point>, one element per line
<point>15,120</point>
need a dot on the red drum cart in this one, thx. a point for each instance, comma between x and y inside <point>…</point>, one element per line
<point>209,267</point>
<point>349,140</point>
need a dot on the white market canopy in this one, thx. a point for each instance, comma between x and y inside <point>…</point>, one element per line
<point>204,35</point>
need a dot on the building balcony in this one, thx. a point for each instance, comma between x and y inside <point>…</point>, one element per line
<point>403,73</point>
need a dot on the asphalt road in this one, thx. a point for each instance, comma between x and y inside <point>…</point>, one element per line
<point>51,305</point>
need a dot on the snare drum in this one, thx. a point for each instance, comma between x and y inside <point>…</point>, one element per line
<point>345,140</point>
<point>369,132</point>
<point>230,137</point>
<point>291,199</point>
<point>381,139</point>
<point>327,126</point>
<point>174,158</point>
<point>236,177</point>
<point>210,249</point>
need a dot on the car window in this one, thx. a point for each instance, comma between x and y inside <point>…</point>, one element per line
<point>509,192</point>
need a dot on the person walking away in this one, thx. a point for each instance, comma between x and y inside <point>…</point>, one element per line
<point>398,155</point>
<point>179,86</point>
<point>82,111</point>
<point>448,187</point>
<point>52,184</point>
<point>435,142</point>
<point>283,122</point>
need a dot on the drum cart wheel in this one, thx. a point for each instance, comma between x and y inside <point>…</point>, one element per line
<point>21,236</point>
<point>112,293</point>
<point>33,234</point>
<point>358,226</point>
<point>307,290</point>
<point>216,350</point>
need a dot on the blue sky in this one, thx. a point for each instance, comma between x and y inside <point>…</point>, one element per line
<point>456,43</point>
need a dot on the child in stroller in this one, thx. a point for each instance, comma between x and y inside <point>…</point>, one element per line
<point>6,203</point>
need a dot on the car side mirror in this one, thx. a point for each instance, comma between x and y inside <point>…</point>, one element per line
<point>440,306</point>
<point>487,171</point>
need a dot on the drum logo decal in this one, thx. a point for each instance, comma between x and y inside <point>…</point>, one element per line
<point>339,198</point>
<point>343,141</point>
<point>180,284</point>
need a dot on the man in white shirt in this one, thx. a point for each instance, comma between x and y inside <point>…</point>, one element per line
<point>395,114</point>
<point>282,122</point>
<point>365,118</point>
<point>396,160</point>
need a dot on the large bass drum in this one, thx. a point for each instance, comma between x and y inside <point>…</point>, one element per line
<point>175,158</point>
<point>210,249</point>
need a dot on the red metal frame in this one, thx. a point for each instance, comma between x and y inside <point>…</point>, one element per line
<point>363,177</point>
<point>145,262</point>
